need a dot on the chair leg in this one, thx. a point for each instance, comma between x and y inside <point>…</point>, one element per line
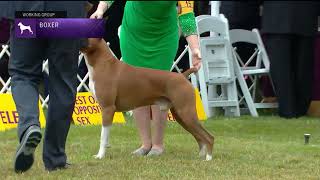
<point>245,90</point>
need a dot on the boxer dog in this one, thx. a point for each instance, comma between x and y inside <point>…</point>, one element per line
<point>120,87</point>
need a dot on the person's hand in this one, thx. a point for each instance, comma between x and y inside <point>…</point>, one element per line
<point>101,9</point>
<point>193,43</point>
<point>196,58</point>
<point>98,14</point>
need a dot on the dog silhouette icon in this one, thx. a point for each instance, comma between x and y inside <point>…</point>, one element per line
<point>24,27</point>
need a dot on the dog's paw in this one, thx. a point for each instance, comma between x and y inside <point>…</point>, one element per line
<point>208,157</point>
<point>100,155</point>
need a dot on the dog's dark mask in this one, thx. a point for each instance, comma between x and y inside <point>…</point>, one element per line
<point>88,45</point>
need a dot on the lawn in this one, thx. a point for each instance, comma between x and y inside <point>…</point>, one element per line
<point>246,148</point>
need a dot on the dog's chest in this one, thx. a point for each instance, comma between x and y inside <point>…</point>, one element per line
<point>92,88</point>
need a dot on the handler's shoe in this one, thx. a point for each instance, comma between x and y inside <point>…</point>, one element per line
<point>141,152</point>
<point>155,152</point>
<point>25,152</point>
<point>66,166</point>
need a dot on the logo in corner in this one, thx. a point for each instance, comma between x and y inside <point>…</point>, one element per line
<point>25,28</point>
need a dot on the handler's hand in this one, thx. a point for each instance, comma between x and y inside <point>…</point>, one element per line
<point>98,14</point>
<point>101,9</point>
<point>196,58</point>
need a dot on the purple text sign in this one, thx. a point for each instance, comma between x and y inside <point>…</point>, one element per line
<point>59,28</point>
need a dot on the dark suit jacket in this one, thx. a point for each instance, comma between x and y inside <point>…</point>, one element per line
<point>201,7</point>
<point>75,9</point>
<point>241,14</point>
<point>290,17</point>
<point>3,7</point>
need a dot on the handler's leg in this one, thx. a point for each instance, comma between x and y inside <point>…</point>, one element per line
<point>159,119</point>
<point>142,118</point>
<point>63,61</point>
<point>25,68</point>
<point>304,55</point>
<point>281,69</point>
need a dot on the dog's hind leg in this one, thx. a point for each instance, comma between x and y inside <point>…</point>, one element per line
<point>107,117</point>
<point>209,147</point>
<point>191,124</point>
<point>178,119</point>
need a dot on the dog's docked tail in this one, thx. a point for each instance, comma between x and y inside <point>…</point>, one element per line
<point>189,71</point>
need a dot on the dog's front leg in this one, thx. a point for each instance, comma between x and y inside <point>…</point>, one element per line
<point>107,117</point>
<point>91,82</point>
<point>105,131</point>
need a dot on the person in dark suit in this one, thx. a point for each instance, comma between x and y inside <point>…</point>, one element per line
<point>289,28</point>
<point>241,14</point>
<point>201,8</point>
<point>25,68</point>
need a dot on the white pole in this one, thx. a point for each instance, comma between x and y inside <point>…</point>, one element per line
<point>215,8</point>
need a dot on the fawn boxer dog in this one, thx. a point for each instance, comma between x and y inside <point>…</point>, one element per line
<point>120,87</point>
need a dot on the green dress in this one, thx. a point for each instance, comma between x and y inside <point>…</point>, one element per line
<point>149,34</point>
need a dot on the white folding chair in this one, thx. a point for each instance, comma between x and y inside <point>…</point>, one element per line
<point>217,66</point>
<point>256,66</point>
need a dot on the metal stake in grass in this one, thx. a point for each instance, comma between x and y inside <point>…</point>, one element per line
<point>306,138</point>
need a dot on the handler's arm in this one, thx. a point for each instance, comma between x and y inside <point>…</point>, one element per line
<point>101,9</point>
<point>188,26</point>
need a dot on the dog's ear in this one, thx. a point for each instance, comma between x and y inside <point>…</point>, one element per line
<point>88,45</point>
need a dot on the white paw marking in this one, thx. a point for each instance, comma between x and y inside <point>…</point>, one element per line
<point>208,157</point>
<point>100,155</point>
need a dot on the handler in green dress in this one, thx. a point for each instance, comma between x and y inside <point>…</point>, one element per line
<point>149,38</point>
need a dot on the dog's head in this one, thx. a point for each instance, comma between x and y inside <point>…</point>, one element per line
<point>97,49</point>
<point>92,45</point>
<point>19,24</point>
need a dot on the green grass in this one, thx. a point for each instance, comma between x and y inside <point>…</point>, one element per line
<point>246,148</point>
